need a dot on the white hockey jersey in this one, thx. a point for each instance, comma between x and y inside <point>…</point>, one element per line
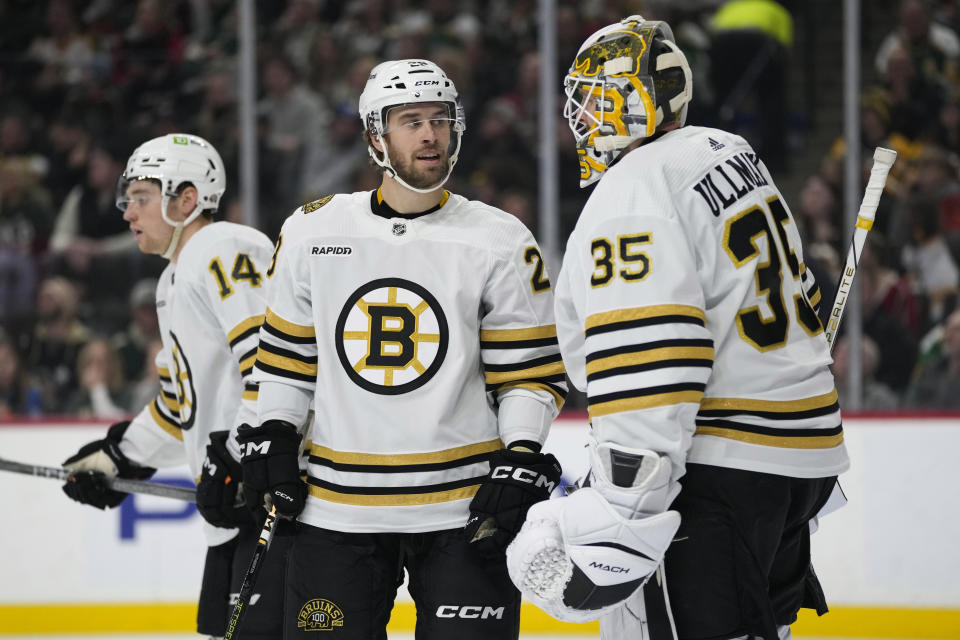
<point>210,304</point>
<point>427,343</point>
<point>685,312</point>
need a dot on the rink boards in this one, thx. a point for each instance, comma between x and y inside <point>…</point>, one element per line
<point>889,561</point>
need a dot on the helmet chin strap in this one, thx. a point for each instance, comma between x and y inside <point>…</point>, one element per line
<point>178,226</point>
<point>385,163</point>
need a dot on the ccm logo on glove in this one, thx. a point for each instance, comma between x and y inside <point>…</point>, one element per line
<point>251,448</point>
<point>504,472</point>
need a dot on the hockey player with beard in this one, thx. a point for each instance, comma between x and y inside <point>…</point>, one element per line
<point>685,312</point>
<point>210,303</point>
<point>418,325</point>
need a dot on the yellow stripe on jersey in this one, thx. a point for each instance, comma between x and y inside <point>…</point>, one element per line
<point>243,327</point>
<point>644,313</point>
<point>808,442</point>
<point>774,406</point>
<point>643,402</point>
<point>164,374</point>
<point>537,386</point>
<point>164,422</point>
<point>815,298</point>
<point>651,355</point>
<point>248,362</point>
<point>296,330</point>
<point>170,402</point>
<point>251,394</point>
<point>515,335</point>
<point>287,364</point>
<point>391,459</point>
<point>549,369</point>
<point>393,499</point>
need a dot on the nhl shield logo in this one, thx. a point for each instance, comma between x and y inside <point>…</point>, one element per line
<point>399,228</point>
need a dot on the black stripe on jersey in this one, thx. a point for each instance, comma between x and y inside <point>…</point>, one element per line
<point>243,336</point>
<point>648,346</point>
<point>648,391</point>
<point>249,353</point>
<point>643,322</point>
<point>284,373</point>
<point>771,431</point>
<point>519,344</point>
<point>650,366</point>
<point>399,468</point>
<point>164,378</point>
<point>286,353</point>
<point>382,491</point>
<point>161,413</point>
<point>771,415</point>
<point>527,364</point>
<point>272,330</point>
<point>245,372</point>
<point>168,394</point>
<point>251,386</point>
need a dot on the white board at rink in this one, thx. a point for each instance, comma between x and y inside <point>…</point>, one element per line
<point>895,547</point>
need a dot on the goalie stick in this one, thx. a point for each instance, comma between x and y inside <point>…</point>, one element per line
<point>250,577</point>
<point>117,484</point>
<point>883,160</point>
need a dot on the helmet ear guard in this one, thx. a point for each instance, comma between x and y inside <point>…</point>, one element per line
<point>628,81</point>
<point>402,82</point>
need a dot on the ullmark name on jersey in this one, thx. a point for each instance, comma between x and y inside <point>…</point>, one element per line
<point>331,250</point>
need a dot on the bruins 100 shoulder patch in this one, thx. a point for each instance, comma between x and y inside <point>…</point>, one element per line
<point>391,336</point>
<point>310,207</point>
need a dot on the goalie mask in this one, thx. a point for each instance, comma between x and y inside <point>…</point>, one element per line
<point>174,162</point>
<point>628,80</point>
<point>397,83</point>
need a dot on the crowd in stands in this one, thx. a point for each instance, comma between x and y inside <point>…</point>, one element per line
<point>82,83</point>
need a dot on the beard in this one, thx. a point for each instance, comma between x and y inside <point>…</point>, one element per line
<point>420,177</point>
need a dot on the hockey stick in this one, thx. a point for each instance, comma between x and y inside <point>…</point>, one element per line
<point>250,578</point>
<point>117,484</point>
<point>883,159</point>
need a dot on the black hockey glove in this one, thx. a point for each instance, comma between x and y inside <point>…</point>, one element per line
<point>517,480</point>
<point>270,459</point>
<point>97,461</point>
<point>219,487</point>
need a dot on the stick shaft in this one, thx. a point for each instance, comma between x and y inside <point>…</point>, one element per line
<point>250,578</point>
<point>883,159</point>
<point>117,484</point>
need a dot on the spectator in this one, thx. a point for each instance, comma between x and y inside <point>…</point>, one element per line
<point>934,48</point>
<point>65,53</point>
<point>344,143</point>
<point>91,243</point>
<point>876,395</point>
<point>133,342</point>
<point>928,261</point>
<point>17,396</point>
<point>936,383</point>
<point>101,393</point>
<point>146,384</point>
<point>52,344</point>
<point>913,97</point>
<point>24,227</point>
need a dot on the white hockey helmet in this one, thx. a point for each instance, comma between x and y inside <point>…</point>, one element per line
<point>175,161</point>
<point>629,79</point>
<point>400,82</point>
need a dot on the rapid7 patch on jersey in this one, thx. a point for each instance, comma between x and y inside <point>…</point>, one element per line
<point>391,336</point>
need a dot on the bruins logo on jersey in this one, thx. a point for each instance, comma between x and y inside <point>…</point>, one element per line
<point>310,207</point>
<point>183,381</point>
<point>391,336</point>
<point>319,614</point>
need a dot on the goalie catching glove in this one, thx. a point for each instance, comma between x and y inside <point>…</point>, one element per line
<point>219,497</point>
<point>270,457</point>
<point>517,480</point>
<point>97,461</point>
<point>581,556</point>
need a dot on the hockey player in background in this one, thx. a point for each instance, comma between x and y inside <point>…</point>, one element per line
<point>685,312</point>
<point>419,327</point>
<point>210,303</point>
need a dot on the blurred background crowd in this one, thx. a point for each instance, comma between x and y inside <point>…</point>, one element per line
<point>83,82</point>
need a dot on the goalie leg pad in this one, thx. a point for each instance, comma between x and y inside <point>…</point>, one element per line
<point>603,558</point>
